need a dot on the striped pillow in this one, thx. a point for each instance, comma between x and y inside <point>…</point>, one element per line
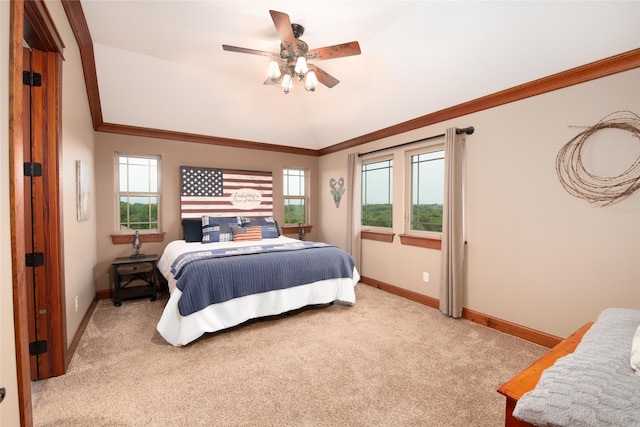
<point>241,234</point>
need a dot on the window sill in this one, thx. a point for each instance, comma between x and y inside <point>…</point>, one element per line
<point>422,242</point>
<point>126,239</point>
<point>377,235</point>
<point>293,229</point>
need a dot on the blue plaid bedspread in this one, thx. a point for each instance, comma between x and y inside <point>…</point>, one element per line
<point>213,276</point>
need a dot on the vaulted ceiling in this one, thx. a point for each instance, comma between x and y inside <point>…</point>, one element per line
<point>160,64</point>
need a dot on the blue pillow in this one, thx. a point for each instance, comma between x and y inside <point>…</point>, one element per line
<point>216,229</point>
<point>269,226</point>
<point>192,229</point>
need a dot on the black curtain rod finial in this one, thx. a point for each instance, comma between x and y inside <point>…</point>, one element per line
<point>469,130</point>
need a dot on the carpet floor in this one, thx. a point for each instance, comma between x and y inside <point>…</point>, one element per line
<point>386,361</point>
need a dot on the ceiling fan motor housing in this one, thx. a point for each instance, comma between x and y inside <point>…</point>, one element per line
<point>300,49</point>
<point>298,30</point>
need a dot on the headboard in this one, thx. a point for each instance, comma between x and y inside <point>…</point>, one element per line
<point>225,192</point>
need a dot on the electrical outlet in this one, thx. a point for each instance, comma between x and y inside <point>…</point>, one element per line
<point>425,277</point>
<point>76,303</point>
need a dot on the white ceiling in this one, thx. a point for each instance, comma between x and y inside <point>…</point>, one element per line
<point>160,64</point>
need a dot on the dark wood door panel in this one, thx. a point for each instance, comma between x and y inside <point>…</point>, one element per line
<point>45,293</point>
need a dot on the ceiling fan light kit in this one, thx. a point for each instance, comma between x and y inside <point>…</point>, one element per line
<point>292,61</point>
<point>301,71</point>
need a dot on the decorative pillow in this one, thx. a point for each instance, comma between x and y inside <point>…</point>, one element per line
<point>216,229</point>
<point>241,234</point>
<point>268,225</point>
<point>192,230</point>
<point>635,351</point>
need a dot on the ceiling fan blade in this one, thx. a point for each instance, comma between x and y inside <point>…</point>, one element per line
<point>323,77</point>
<point>250,51</point>
<point>271,81</point>
<point>335,51</point>
<point>283,26</point>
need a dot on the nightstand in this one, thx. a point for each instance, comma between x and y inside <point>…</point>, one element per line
<point>134,278</point>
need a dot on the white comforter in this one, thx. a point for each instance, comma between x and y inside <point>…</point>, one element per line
<point>180,330</point>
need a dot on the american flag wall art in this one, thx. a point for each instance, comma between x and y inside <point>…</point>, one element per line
<point>225,192</point>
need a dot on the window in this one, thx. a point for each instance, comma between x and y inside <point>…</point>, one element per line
<point>296,204</point>
<point>427,190</point>
<point>138,193</point>
<point>377,194</point>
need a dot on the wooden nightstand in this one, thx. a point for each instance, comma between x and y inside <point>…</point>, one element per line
<point>134,278</point>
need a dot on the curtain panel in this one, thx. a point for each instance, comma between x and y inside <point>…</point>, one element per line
<point>452,252</point>
<point>354,223</point>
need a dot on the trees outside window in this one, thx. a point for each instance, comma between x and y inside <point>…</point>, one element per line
<point>377,193</point>
<point>138,193</point>
<point>427,190</point>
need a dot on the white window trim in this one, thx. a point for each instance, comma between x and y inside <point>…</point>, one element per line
<point>116,167</point>
<point>305,197</point>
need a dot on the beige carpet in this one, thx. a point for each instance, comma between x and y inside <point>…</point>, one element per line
<point>386,361</point>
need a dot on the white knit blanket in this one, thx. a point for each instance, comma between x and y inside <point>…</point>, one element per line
<point>593,386</point>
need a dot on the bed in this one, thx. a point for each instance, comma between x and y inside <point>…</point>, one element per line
<point>180,329</point>
<point>234,265</point>
<point>590,379</point>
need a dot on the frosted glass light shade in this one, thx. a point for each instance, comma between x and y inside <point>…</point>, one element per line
<point>310,81</point>
<point>301,65</point>
<point>274,70</point>
<point>287,81</point>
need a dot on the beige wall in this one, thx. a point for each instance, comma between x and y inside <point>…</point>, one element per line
<point>79,237</point>
<point>536,256</point>
<point>9,409</point>
<point>173,155</point>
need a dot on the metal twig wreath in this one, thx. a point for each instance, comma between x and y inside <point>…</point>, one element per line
<point>599,190</point>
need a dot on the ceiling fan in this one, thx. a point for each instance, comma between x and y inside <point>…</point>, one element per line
<point>291,62</point>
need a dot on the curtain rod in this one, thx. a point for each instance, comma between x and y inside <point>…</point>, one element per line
<point>468,130</point>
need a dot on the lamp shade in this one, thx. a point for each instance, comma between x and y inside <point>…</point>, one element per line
<point>301,65</point>
<point>287,81</point>
<point>274,70</point>
<point>310,81</point>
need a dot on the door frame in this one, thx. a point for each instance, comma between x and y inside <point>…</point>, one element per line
<point>31,21</point>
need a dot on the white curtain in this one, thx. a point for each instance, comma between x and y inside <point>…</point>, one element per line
<point>354,223</point>
<point>452,268</point>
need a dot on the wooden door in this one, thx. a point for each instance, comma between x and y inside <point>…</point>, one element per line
<point>41,214</point>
